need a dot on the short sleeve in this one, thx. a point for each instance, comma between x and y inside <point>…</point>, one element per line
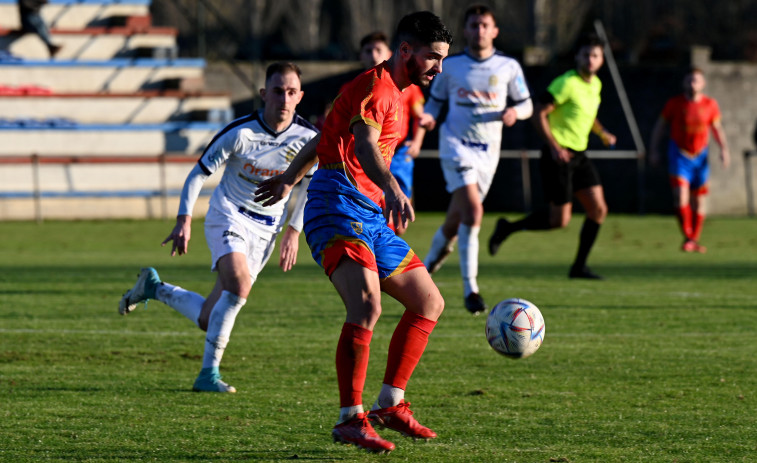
<point>517,88</point>
<point>368,103</point>
<point>560,89</point>
<point>218,152</point>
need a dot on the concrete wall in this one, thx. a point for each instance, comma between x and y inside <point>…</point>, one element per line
<point>734,86</point>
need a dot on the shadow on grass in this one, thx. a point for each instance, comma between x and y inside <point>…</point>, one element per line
<point>32,292</point>
<point>166,455</point>
<point>15,273</point>
<point>634,271</point>
<point>312,273</point>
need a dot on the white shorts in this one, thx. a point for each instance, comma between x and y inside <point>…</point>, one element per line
<point>465,165</point>
<point>228,231</point>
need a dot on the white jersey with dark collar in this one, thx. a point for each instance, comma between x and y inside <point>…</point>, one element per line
<point>477,93</point>
<point>253,152</point>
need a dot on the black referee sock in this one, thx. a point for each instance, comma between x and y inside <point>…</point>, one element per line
<point>588,236</point>
<point>537,220</point>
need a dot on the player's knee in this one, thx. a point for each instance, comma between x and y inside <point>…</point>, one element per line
<point>473,215</point>
<point>435,306</point>
<point>429,306</point>
<point>366,316</point>
<point>367,306</point>
<point>599,213</point>
<point>239,286</point>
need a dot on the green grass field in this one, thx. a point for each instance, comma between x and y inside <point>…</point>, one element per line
<point>656,364</point>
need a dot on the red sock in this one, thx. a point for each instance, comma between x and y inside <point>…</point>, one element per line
<point>408,343</point>
<point>684,218</point>
<point>698,222</point>
<point>352,354</point>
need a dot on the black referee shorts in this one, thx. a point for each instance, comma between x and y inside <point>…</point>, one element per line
<point>560,181</point>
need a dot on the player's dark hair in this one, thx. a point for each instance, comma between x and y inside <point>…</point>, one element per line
<point>376,36</point>
<point>589,40</point>
<point>282,67</point>
<point>422,28</point>
<point>478,10</point>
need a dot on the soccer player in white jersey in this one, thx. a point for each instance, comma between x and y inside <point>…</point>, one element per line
<point>476,85</point>
<point>240,233</point>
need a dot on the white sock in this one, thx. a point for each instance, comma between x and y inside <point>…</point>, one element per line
<point>439,245</point>
<point>219,327</point>
<point>468,237</point>
<point>185,302</point>
<point>389,397</point>
<point>347,413</point>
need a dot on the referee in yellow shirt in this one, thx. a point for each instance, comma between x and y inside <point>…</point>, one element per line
<point>565,116</point>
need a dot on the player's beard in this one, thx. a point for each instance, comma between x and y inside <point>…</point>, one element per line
<point>414,73</point>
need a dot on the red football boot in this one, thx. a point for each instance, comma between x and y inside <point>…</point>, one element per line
<point>689,246</point>
<point>400,418</point>
<point>358,431</point>
<point>693,246</point>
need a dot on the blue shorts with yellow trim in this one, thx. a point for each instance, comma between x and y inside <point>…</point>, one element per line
<point>695,170</point>
<point>341,223</point>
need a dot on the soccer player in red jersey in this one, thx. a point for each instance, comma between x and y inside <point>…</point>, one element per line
<point>374,49</point>
<point>689,117</point>
<point>348,235</point>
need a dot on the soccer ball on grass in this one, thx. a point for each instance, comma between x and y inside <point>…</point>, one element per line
<point>515,328</point>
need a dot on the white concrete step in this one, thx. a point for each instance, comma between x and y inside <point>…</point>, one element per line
<point>103,140</point>
<point>114,76</point>
<point>137,108</point>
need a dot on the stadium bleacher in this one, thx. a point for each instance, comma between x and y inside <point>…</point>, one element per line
<point>66,137</point>
<point>95,43</point>
<point>113,75</point>
<point>78,14</point>
<point>142,107</point>
<point>104,112</point>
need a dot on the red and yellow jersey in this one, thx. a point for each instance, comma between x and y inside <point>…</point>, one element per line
<point>374,99</point>
<point>690,121</point>
<point>412,97</point>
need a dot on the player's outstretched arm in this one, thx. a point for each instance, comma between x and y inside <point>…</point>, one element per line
<point>180,235</point>
<point>274,189</point>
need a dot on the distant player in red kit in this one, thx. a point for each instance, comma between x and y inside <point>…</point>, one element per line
<point>689,116</point>
<point>348,235</point>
